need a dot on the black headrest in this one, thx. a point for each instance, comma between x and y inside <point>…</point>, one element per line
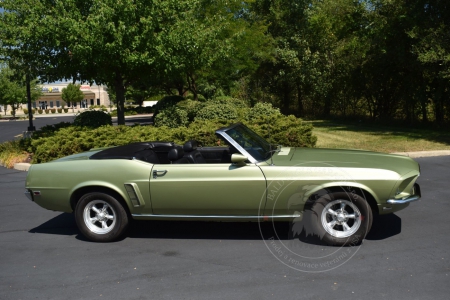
<point>175,153</point>
<point>190,146</point>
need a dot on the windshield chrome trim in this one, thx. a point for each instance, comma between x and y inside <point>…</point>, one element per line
<point>229,139</point>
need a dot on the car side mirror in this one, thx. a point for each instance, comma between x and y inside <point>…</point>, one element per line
<point>238,159</point>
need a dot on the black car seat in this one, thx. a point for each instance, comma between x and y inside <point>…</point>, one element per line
<point>192,154</point>
<point>175,156</point>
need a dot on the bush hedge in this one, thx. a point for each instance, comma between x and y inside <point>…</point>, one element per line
<point>287,131</point>
<point>171,117</point>
<point>92,119</point>
<point>221,111</point>
<point>166,102</point>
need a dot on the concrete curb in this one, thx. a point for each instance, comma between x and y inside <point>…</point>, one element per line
<point>22,166</point>
<point>424,153</point>
<point>26,166</point>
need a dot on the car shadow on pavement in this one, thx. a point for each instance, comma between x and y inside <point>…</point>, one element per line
<point>63,224</point>
<point>204,230</point>
<point>385,226</point>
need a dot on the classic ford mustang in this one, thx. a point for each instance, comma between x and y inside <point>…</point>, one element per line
<point>333,193</point>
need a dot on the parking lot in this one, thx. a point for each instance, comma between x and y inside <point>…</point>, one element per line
<point>43,255</point>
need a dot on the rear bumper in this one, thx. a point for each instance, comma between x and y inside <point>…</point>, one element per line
<point>414,197</point>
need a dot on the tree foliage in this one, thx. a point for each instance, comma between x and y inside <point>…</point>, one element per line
<point>13,89</point>
<point>72,93</point>
<point>377,59</point>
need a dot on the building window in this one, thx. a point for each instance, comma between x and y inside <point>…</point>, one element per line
<point>51,104</point>
<point>34,105</point>
<point>92,101</point>
<point>98,101</point>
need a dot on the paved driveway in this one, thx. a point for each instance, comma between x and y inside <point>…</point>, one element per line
<point>43,256</point>
<point>11,129</point>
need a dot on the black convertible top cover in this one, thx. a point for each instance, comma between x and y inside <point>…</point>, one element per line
<point>146,151</point>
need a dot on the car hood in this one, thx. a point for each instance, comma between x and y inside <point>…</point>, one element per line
<point>344,158</point>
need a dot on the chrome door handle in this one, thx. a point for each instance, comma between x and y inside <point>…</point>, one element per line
<point>157,173</point>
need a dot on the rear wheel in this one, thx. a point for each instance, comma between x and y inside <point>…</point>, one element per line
<point>100,217</point>
<point>340,218</point>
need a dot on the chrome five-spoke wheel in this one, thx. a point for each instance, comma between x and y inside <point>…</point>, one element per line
<point>341,218</point>
<point>99,217</point>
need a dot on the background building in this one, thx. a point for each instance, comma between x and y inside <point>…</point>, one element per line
<point>51,98</point>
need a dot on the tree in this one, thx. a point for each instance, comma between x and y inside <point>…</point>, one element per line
<point>210,43</point>
<point>13,87</point>
<point>72,93</point>
<point>110,42</point>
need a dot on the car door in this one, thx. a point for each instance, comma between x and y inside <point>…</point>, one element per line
<point>206,189</point>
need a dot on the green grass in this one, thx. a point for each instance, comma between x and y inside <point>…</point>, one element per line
<point>375,137</point>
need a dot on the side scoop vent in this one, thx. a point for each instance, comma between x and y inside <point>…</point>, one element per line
<point>133,194</point>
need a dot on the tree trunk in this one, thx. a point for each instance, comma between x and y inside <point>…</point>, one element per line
<point>192,85</point>
<point>120,98</point>
<point>286,99</point>
<point>301,108</point>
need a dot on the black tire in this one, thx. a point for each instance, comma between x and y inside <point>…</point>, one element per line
<point>101,217</point>
<point>340,218</point>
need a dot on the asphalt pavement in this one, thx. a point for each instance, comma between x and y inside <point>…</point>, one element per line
<point>43,255</point>
<point>10,130</point>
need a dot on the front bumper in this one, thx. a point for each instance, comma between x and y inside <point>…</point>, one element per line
<point>414,197</point>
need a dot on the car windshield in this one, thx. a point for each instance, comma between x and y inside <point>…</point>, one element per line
<point>255,145</point>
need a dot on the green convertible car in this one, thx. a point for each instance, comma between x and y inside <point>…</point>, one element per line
<point>332,193</point>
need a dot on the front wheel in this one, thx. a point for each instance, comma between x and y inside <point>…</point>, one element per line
<point>340,218</point>
<point>100,217</point>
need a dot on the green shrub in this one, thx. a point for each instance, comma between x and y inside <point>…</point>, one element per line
<point>143,110</point>
<point>59,110</point>
<point>33,111</point>
<point>200,97</point>
<point>66,110</point>
<point>191,107</point>
<point>166,102</point>
<point>238,103</point>
<point>287,131</point>
<point>203,131</point>
<point>219,111</point>
<point>92,119</point>
<point>171,117</point>
<point>40,111</point>
<point>25,111</point>
<point>53,110</point>
<point>261,110</point>
<point>62,139</point>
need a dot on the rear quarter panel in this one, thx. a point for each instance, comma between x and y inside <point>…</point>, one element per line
<point>58,180</point>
